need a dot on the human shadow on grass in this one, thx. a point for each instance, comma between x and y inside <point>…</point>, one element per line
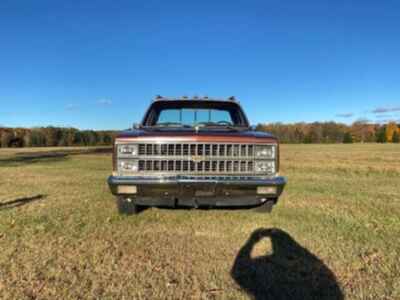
<point>289,272</point>
<point>19,160</point>
<point>20,201</point>
<point>48,156</point>
<point>66,151</point>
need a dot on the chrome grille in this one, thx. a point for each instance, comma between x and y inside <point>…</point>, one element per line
<point>196,158</point>
<point>211,150</point>
<point>221,166</point>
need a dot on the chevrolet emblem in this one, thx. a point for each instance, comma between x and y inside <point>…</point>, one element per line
<point>197,158</point>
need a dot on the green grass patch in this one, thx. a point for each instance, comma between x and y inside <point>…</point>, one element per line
<point>336,225</point>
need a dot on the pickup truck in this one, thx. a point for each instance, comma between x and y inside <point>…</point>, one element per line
<point>195,152</point>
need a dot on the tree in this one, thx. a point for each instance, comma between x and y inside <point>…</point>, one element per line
<point>38,138</point>
<point>347,138</point>
<point>108,138</point>
<point>315,133</point>
<point>51,134</point>
<point>396,137</point>
<point>66,136</point>
<point>6,138</point>
<point>391,127</point>
<point>92,138</point>
<point>27,139</point>
<point>333,132</point>
<point>380,135</point>
<point>70,137</point>
<point>362,131</point>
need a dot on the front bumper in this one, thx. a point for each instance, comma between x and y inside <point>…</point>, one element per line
<point>195,191</point>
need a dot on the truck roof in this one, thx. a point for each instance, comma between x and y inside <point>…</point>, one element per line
<point>195,98</point>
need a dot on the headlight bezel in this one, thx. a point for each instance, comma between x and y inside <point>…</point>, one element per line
<point>127,158</point>
<point>128,166</point>
<point>266,159</point>
<point>128,150</point>
<point>265,167</point>
<point>267,151</point>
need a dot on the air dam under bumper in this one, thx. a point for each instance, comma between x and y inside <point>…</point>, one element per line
<point>195,191</point>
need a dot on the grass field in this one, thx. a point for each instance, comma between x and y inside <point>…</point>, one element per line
<point>334,233</point>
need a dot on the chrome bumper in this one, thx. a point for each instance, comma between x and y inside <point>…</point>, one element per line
<point>195,191</point>
<point>225,180</point>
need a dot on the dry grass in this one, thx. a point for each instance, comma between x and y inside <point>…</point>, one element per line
<point>338,221</point>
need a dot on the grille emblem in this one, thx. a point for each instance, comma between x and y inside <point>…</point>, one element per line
<point>197,158</point>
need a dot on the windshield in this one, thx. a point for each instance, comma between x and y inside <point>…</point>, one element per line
<point>194,113</point>
<point>192,117</point>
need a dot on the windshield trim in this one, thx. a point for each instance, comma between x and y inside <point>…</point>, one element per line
<point>233,107</point>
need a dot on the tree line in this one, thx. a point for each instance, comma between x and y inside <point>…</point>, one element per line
<point>54,136</point>
<point>317,132</point>
<point>332,132</point>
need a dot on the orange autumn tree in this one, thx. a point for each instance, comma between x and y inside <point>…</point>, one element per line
<point>391,127</point>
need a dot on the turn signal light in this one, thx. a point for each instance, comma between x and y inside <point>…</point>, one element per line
<point>266,190</point>
<point>127,189</point>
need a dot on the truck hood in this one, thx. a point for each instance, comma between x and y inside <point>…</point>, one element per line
<point>190,132</point>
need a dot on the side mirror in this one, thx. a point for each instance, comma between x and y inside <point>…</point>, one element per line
<point>253,127</point>
<point>136,126</point>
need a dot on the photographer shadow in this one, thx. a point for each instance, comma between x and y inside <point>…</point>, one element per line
<point>289,272</point>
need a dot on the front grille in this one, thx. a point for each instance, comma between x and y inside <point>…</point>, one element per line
<point>195,158</point>
<point>220,166</point>
<point>211,150</point>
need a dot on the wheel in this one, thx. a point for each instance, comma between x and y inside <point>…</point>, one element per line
<point>267,206</point>
<point>126,206</point>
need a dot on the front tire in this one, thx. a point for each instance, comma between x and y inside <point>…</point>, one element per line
<point>126,206</point>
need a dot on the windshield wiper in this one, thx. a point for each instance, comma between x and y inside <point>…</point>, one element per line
<point>211,124</point>
<point>171,124</point>
<point>219,125</point>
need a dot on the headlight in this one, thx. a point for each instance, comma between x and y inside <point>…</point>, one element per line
<point>267,167</point>
<point>265,151</point>
<point>131,165</point>
<point>131,150</point>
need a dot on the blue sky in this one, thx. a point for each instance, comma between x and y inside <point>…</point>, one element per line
<point>98,64</point>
